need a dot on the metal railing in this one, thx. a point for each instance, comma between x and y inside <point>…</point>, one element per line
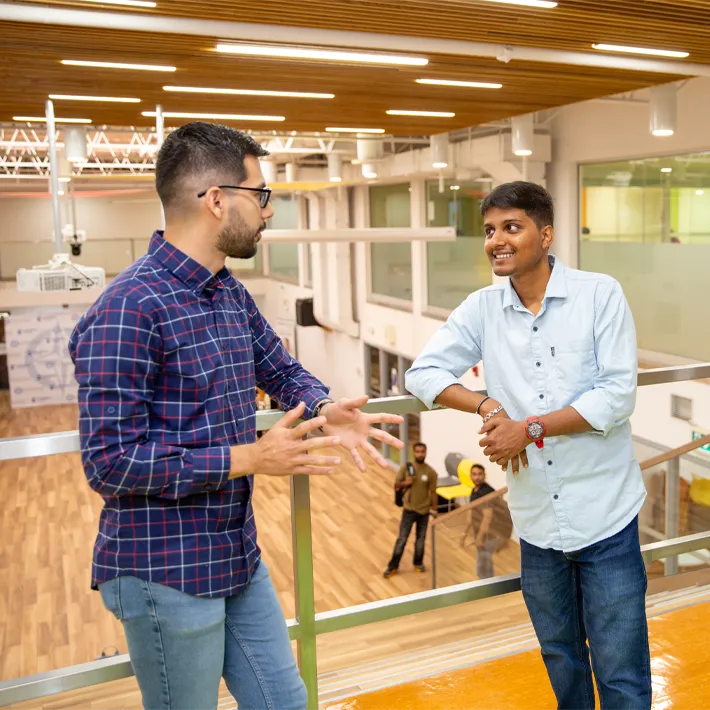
<point>307,625</point>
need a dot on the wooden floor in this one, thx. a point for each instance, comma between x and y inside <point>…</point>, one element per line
<point>50,618</point>
<point>679,661</point>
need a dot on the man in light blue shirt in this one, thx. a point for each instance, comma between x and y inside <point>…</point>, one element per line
<point>559,354</point>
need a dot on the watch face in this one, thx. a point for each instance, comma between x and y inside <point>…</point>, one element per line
<point>535,430</point>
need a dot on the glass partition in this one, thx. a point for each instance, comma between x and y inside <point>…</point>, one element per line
<point>647,224</point>
<point>283,258</point>
<point>391,263</point>
<point>455,269</point>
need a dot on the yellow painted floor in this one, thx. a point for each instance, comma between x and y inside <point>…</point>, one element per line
<point>680,656</point>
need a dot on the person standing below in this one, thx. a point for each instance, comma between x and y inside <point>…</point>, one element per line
<point>491,524</point>
<point>168,361</point>
<point>418,481</point>
<point>559,352</point>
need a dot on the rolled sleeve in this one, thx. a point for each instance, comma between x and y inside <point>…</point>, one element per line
<point>454,349</point>
<point>612,399</point>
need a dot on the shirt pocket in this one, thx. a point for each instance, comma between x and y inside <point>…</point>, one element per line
<point>575,368</point>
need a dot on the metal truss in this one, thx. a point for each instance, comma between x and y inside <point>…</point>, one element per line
<point>128,151</point>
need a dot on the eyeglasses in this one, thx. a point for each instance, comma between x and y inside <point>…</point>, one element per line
<point>264,192</point>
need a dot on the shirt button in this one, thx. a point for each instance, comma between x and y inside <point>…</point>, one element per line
<point>111,410</point>
<point>555,496</point>
<point>208,486</point>
<point>542,396</point>
<point>535,329</point>
<point>549,463</point>
<point>538,364</point>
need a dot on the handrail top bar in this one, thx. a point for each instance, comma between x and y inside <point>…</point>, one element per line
<point>68,441</point>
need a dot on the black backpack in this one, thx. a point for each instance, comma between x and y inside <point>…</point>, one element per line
<point>399,494</point>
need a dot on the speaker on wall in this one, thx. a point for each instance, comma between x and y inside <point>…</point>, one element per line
<point>304,312</point>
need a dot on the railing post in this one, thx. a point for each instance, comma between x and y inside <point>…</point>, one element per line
<point>670,564</point>
<point>433,556</point>
<point>303,585</point>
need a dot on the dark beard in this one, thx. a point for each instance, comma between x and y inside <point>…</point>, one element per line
<point>237,241</point>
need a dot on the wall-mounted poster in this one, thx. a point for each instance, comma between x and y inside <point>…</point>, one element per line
<point>40,371</point>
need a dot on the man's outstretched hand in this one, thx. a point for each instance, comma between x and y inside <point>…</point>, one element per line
<point>354,428</point>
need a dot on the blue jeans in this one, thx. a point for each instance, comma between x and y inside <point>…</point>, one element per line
<point>599,594</point>
<point>181,645</point>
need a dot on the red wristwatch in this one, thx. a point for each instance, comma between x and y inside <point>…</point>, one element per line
<point>535,431</point>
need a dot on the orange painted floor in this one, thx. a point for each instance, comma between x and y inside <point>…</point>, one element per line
<point>680,658</point>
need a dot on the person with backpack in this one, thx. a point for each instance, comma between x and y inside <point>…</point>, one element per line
<point>415,492</point>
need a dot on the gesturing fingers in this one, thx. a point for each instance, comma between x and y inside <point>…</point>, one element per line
<point>375,454</point>
<point>385,437</point>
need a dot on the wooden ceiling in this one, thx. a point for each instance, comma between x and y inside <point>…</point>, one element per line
<point>30,68</point>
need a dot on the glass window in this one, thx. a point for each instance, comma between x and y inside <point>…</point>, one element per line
<point>391,263</point>
<point>283,258</point>
<point>455,269</point>
<point>647,224</point>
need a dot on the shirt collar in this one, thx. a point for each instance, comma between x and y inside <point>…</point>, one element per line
<point>556,286</point>
<point>195,276</point>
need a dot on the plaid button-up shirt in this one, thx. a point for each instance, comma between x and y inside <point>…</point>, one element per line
<point>168,360</point>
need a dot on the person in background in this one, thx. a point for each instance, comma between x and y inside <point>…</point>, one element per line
<point>559,352</point>
<point>418,480</point>
<point>168,361</point>
<point>491,524</point>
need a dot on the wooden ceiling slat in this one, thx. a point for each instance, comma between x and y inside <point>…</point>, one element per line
<point>362,93</point>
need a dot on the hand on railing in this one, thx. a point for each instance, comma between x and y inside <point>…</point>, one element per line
<point>354,429</point>
<point>505,442</point>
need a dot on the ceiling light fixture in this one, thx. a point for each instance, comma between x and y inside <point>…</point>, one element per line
<point>454,82</point>
<point>663,110</point>
<point>523,134</point>
<point>542,4</point>
<point>700,192</point>
<point>217,116</point>
<point>112,99</point>
<point>127,3</point>
<point>43,119</point>
<point>331,129</point>
<point>116,65</point>
<point>64,179</point>
<point>641,50</point>
<point>329,55</point>
<point>666,170</point>
<point>455,187</point>
<point>248,92</point>
<point>430,114</point>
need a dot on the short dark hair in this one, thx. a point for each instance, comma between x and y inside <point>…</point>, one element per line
<point>419,443</point>
<point>478,465</point>
<point>534,199</point>
<point>201,147</point>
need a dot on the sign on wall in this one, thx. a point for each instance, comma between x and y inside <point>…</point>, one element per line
<point>39,367</point>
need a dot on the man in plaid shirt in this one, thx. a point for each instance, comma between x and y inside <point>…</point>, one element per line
<point>168,360</point>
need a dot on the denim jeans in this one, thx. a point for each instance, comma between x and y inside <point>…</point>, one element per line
<point>181,645</point>
<point>598,594</point>
<point>484,557</point>
<point>409,518</point>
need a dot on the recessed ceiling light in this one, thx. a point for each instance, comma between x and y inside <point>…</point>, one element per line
<point>666,170</point>
<point>335,179</point>
<point>453,82</point>
<point>117,65</point>
<point>64,179</point>
<point>43,119</point>
<point>217,116</point>
<point>700,192</point>
<point>329,55</point>
<point>128,3</point>
<point>439,165</point>
<point>641,50</point>
<point>331,129</point>
<point>370,176</point>
<point>431,114</point>
<point>543,4</point>
<point>522,153</point>
<point>455,187</point>
<point>113,99</point>
<point>663,132</point>
<point>248,92</point>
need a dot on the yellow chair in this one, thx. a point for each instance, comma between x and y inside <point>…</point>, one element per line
<point>463,490</point>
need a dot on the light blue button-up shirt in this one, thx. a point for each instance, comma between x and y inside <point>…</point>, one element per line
<point>579,351</point>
